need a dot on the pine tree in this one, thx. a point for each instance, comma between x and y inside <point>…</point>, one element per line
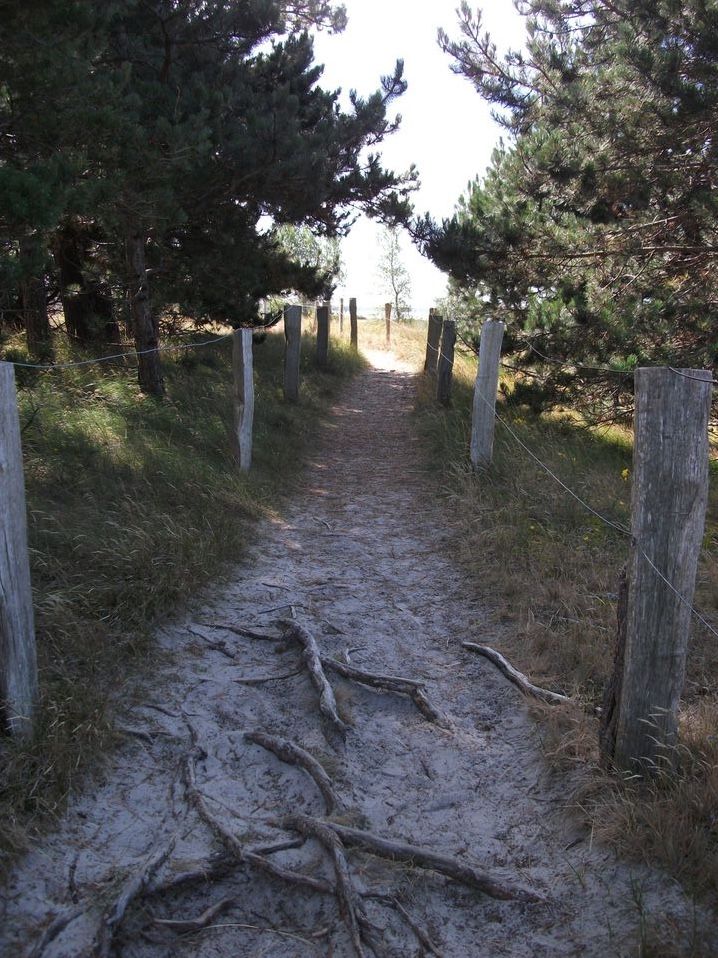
<point>174,128</point>
<point>593,232</point>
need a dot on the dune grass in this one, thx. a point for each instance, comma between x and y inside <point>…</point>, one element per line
<point>549,570</point>
<point>134,506</point>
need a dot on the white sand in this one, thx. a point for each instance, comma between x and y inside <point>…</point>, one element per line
<point>362,556</point>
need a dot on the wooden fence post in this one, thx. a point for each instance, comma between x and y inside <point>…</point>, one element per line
<point>387,317</point>
<point>18,659</point>
<point>445,366</point>
<point>668,502</point>
<point>242,367</point>
<point>292,351</point>
<point>323,336</point>
<point>483,419</point>
<point>341,315</point>
<point>353,323</point>
<point>433,339</point>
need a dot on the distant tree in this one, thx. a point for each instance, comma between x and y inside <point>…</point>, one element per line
<point>394,276</point>
<point>321,254</point>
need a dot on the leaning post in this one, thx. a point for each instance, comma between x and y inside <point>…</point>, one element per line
<point>353,323</point>
<point>18,657</point>
<point>445,366</point>
<point>433,338</point>
<point>483,418</point>
<point>323,336</point>
<point>292,351</point>
<point>668,507</point>
<point>243,372</point>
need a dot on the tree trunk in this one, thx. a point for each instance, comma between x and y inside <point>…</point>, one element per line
<point>33,296</point>
<point>86,305</point>
<point>144,326</point>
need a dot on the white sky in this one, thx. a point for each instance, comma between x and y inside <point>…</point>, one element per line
<point>446,128</point>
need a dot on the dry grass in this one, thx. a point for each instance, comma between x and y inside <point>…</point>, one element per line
<point>550,570</point>
<point>408,339</point>
<point>134,506</point>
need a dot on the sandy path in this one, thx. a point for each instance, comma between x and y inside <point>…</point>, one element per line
<point>361,558</point>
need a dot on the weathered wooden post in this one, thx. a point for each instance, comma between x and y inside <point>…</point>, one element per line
<point>668,502</point>
<point>292,351</point>
<point>445,366</point>
<point>323,336</point>
<point>387,317</point>
<point>433,339</point>
<point>483,419</point>
<point>341,315</point>
<point>242,367</point>
<point>354,328</point>
<point>18,658</point>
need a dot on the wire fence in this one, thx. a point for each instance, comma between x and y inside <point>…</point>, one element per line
<point>616,526</point>
<point>129,354</point>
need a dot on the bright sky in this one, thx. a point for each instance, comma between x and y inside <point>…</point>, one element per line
<point>446,128</point>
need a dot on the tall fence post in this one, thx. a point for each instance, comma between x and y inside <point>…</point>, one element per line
<point>323,336</point>
<point>483,419</point>
<point>18,658</point>
<point>445,366</point>
<point>668,502</point>
<point>433,338</point>
<point>292,351</point>
<point>353,323</point>
<point>242,368</point>
<point>387,317</point>
<point>341,314</point>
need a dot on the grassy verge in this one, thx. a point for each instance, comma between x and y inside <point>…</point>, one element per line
<point>135,505</point>
<point>408,339</point>
<point>549,570</point>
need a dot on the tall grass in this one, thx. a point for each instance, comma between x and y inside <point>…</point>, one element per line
<point>134,505</point>
<point>549,570</point>
<point>408,338</point>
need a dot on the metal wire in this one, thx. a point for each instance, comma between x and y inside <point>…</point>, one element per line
<point>619,527</point>
<point>130,354</point>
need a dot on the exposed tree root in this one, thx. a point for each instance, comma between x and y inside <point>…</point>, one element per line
<point>188,925</point>
<point>210,870</point>
<point>131,889</point>
<point>58,924</point>
<point>261,679</point>
<point>230,841</point>
<point>219,646</point>
<point>427,858</point>
<point>516,677</point>
<point>245,633</point>
<point>350,908</point>
<point>422,936</point>
<point>294,755</point>
<point>390,683</point>
<point>313,662</point>
<point>316,664</point>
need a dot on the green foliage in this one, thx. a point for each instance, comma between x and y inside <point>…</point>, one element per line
<point>393,275</point>
<point>593,231</point>
<point>184,124</point>
<point>320,254</point>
